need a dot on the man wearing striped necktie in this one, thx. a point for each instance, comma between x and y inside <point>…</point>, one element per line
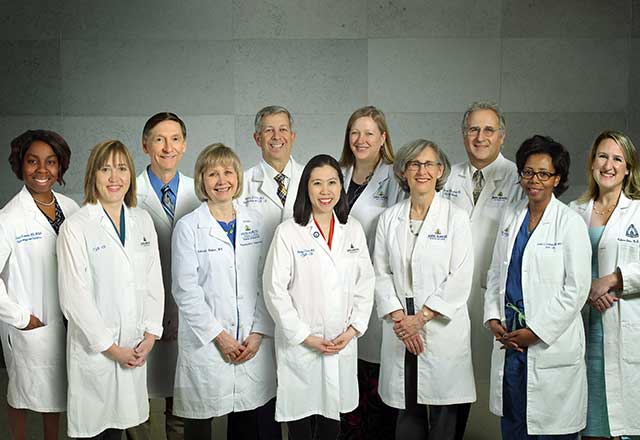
<point>166,194</point>
<point>270,188</point>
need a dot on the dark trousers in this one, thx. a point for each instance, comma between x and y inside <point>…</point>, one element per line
<point>314,427</point>
<point>427,422</point>
<point>514,405</point>
<point>372,419</point>
<point>256,424</point>
<point>109,434</point>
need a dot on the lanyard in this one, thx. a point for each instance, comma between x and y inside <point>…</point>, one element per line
<point>330,231</point>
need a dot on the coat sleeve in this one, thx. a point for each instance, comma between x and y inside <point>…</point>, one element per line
<point>453,292</point>
<point>385,292</point>
<point>492,303</point>
<point>11,312</point>
<point>154,299</point>
<point>275,280</point>
<point>630,277</point>
<point>363,288</point>
<point>188,294</point>
<point>561,310</point>
<point>75,287</point>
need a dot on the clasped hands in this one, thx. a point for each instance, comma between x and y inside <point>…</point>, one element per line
<point>407,329</point>
<point>599,296</point>
<point>333,346</point>
<point>134,357</point>
<point>517,340</point>
<point>235,352</point>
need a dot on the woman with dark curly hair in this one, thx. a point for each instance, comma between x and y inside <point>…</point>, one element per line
<point>537,283</point>
<point>33,333</point>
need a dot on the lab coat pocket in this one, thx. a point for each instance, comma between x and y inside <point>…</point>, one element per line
<point>558,359</point>
<point>40,347</point>
<point>631,342</point>
<point>628,252</point>
<point>263,363</point>
<point>301,358</point>
<point>94,363</point>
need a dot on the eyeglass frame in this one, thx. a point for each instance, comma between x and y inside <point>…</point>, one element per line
<point>478,130</point>
<point>537,174</point>
<point>416,165</point>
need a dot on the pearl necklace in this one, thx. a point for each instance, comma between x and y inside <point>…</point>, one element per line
<point>605,211</point>
<point>411,221</point>
<point>53,199</point>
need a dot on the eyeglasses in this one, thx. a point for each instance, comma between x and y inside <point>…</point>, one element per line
<point>542,176</point>
<point>415,165</point>
<point>487,131</point>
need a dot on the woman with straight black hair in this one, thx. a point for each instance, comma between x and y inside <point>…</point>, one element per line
<point>318,284</point>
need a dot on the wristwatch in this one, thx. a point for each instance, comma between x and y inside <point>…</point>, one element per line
<point>427,314</point>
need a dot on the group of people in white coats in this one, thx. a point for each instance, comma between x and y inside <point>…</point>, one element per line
<point>251,294</point>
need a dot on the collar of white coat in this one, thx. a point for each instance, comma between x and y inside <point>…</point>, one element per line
<point>379,175</point>
<point>317,235</point>
<point>29,205</point>
<point>97,212</point>
<point>147,197</point>
<point>207,221</point>
<point>586,209</point>
<point>434,210</point>
<point>267,171</point>
<point>548,214</point>
<point>496,170</point>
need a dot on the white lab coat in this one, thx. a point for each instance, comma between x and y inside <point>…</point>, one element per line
<point>29,285</point>
<point>381,192</point>
<point>261,194</point>
<point>556,277</point>
<point>440,278</point>
<point>501,189</point>
<point>219,289</point>
<point>313,290</point>
<point>161,365</point>
<point>619,248</point>
<point>110,294</point>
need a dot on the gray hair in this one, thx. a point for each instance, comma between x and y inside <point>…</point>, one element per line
<point>268,111</point>
<point>410,151</point>
<point>484,105</point>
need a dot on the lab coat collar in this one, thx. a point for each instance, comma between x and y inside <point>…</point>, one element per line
<point>100,216</point>
<point>429,221</point>
<point>149,201</point>
<point>28,204</point>
<point>496,170</point>
<point>336,242</point>
<point>379,177</point>
<point>208,221</point>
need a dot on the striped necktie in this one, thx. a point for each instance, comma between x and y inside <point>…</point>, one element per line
<point>167,203</point>
<point>478,184</point>
<point>282,190</point>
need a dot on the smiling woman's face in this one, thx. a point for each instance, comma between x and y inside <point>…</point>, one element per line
<point>536,189</point>
<point>324,189</point>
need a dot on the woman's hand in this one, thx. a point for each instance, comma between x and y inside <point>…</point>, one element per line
<point>409,326</point>
<point>251,346</point>
<point>34,322</point>
<point>343,339</point>
<point>228,346</point>
<point>605,284</point>
<point>519,339</point>
<point>319,344</point>
<point>497,328</point>
<point>126,357</point>
<point>144,348</point>
<point>414,344</point>
<point>604,302</point>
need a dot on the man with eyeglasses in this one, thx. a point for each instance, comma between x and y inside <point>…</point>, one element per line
<point>482,185</point>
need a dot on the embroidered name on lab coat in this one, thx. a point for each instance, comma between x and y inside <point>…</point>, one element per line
<point>381,193</point>
<point>99,247</point>
<point>207,250</point>
<point>437,236</point>
<point>29,237</point>
<point>505,232</point>
<point>449,193</point>
<point>551,245</point>
<point>254,199</point>
<point>305,252</point>
<point>145,242</point>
